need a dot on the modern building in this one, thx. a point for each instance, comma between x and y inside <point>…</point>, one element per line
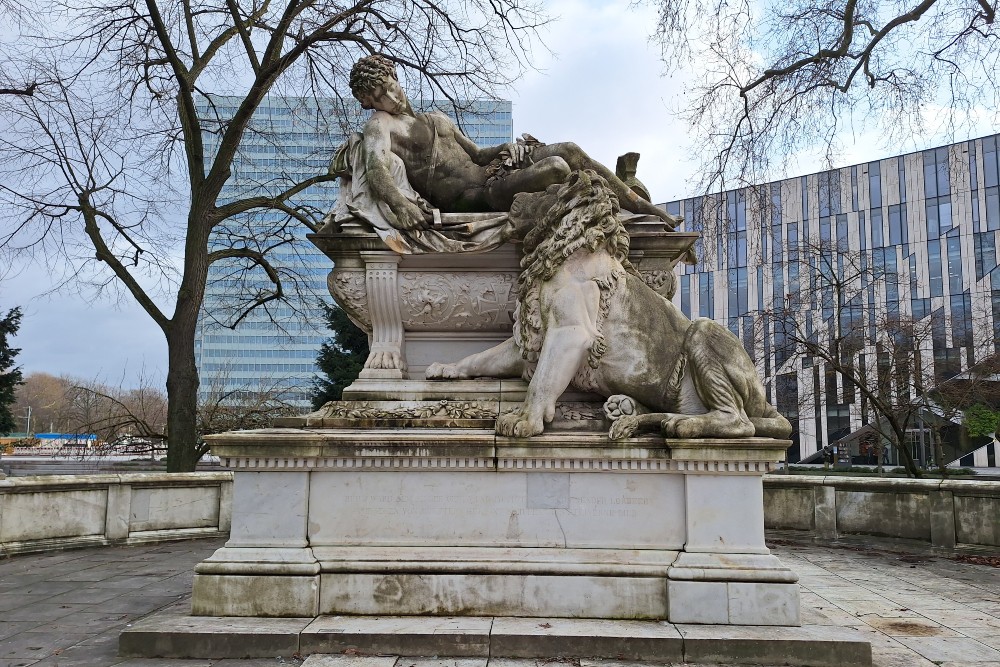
<point>273,347</point>
<point>905,239</point>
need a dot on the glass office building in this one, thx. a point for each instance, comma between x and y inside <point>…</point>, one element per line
<point>921,230</point>
<point>273,347</point>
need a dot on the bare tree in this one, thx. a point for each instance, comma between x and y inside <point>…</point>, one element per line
<point>947,400</point>
<point>253,405</point>
<point>865,351</point>
<point>107,160</point>
<point>84,407</point>
<point>776,79</point>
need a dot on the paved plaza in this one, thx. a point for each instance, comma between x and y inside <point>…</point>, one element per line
<point>67,608</point>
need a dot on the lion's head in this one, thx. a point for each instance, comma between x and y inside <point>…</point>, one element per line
<point>581,213</point>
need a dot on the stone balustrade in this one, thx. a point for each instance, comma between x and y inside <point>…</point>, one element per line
<point>945,513</point>
<point>67,511</point>
<point>58,512</point>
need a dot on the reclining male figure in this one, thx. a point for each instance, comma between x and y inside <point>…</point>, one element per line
<point>447,168</point>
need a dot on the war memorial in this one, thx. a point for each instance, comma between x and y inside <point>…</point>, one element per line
<point>538,432</point>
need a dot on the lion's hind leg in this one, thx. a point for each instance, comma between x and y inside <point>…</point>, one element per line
<point>771,425</point>
<point>722,374</point>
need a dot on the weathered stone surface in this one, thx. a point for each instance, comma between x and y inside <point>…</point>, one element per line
<point>514,509</point>
<point>109,509</point>
<point>534,637</point>
<point>166,507</point>
<point>258,595</point>
<point>174,634</point>
<point>815,646</point>
<point>373,641</point>
<point>496,594</point>
<point>460,521</point>
<point>398,635</point>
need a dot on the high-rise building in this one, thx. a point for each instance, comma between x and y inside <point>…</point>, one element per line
<point>909,239</point>
<point>273,347</point>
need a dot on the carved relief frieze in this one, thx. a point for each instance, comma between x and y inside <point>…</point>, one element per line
<point>466,300</point>
<point>425,410</point>
<point>348,289</point>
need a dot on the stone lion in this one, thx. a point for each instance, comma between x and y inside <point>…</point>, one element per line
<point>585,318</point>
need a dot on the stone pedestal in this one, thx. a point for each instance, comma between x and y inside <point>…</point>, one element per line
<point>459,521</point>
<point>423,308</point>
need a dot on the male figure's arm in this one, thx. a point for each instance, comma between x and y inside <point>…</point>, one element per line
<point>483,156</point>
<point>402,214</point>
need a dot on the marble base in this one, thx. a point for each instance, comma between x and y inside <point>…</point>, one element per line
<point>174,634</point>
<point>461,522</point>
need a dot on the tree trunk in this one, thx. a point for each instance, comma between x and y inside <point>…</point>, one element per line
<point>182,401</point>
<point>904,452</point>
<point>183,442</point>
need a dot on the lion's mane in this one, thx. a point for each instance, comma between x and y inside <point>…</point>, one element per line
<point>583,216</point>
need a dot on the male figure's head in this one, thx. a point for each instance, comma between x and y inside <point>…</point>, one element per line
<point>374,84</point>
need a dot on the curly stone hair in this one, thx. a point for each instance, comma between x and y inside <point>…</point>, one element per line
<point>584,216</point>
<point>371,72</point>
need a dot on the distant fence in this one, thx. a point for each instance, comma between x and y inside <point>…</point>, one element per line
<point>63,511</point>
<point>949,514</point>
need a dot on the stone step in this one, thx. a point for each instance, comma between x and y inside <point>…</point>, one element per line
<point>173,633</point>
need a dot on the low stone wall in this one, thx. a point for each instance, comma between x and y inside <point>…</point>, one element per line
<point>67,511</point>
<point>945,513</point>
<point>61,512</point>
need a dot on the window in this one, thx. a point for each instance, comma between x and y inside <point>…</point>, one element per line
<point>854,188</point>
<point>878,232</point>
<point>706,296</point>
<point>686,295</point>
<point>842,232</point>
<point>874,185</point>
<point>986,253</point>
<point>897,224</point>
<point>955,264</point>
<point>990,162</point>
<point>804,186</point>
<point>738,292</point>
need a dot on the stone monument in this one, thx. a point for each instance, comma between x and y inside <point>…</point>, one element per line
<point>538,430</point>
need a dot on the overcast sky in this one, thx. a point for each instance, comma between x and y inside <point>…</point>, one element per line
<point>602,87</point>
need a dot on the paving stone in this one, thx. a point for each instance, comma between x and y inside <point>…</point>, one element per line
<point>42,611</point>
<point>150,577</point>
<point>941,649</point>
<point>38,644</point>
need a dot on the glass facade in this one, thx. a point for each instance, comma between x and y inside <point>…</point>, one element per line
<point>920,231</point>
<point>273,348</point>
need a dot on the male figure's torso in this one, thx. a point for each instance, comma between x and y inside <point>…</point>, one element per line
<point>437,166</point>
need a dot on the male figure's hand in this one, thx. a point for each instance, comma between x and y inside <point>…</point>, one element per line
<point>517,153</point>
<point>409,216</point>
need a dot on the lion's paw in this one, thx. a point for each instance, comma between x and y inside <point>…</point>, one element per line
<point>624,427</point>
<point>619,406</point>
<point>516,425</point>
<point>438,371</point>
<point>384,359</point>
